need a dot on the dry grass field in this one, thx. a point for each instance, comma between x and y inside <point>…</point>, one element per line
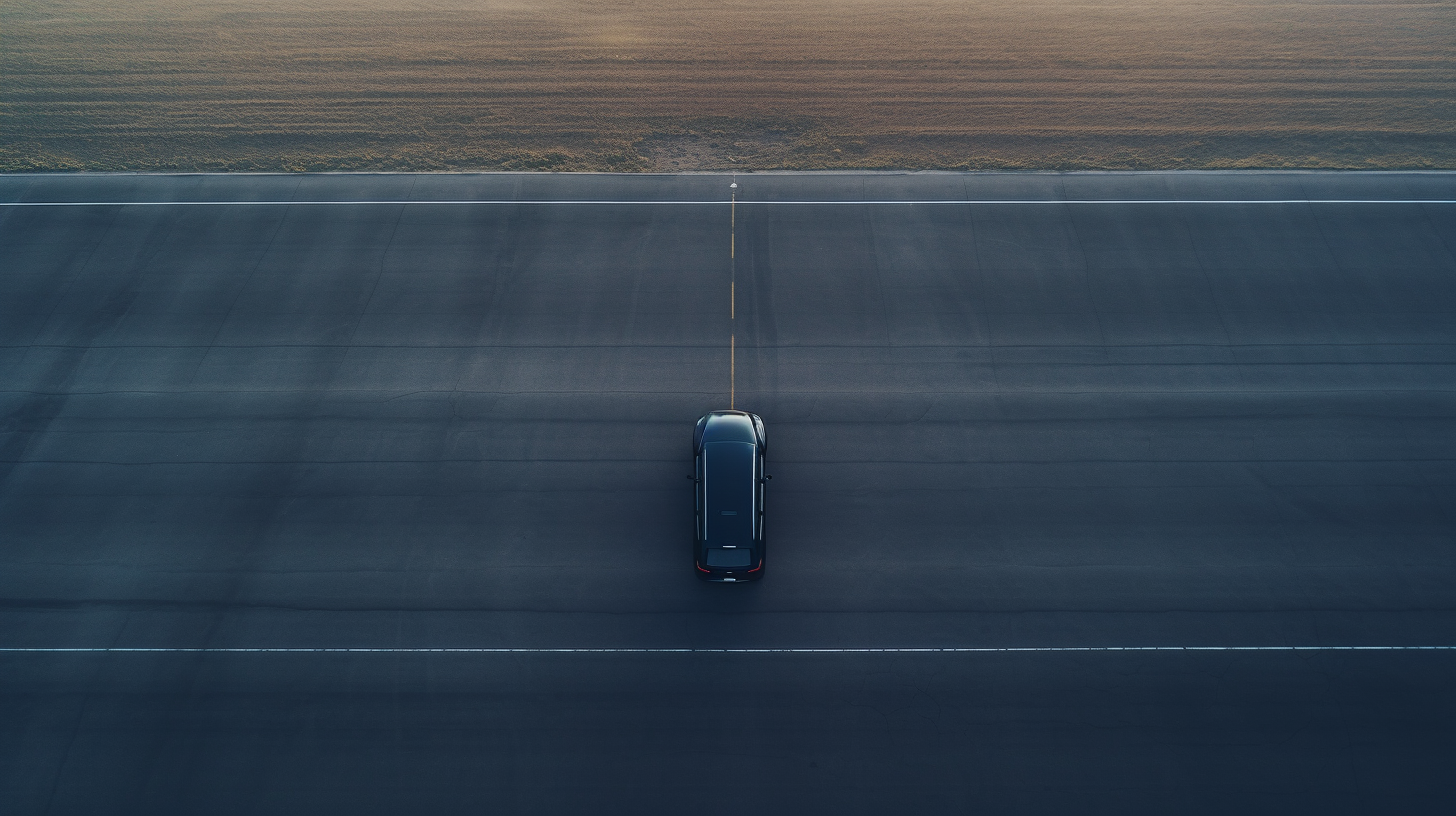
<point>747,84</point>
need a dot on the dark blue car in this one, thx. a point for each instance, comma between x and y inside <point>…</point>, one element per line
<point>728,458</point>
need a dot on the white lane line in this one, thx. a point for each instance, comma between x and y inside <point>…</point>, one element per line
<point>609,650</point>
<point>733,294</point>
<point>696,203</point>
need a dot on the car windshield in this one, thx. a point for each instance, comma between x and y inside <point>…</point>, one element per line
<point>729,428</point>
<point>729,507</point>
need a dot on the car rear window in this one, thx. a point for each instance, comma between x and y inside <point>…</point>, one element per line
<point>729,558</point>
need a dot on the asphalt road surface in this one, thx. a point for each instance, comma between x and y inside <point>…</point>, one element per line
<point>1078,414</point>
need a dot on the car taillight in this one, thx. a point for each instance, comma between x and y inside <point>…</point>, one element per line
<point>702,569</point>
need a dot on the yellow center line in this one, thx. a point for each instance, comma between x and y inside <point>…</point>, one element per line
<point>732,296</point>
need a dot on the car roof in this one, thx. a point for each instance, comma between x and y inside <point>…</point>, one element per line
<point>728,501</point>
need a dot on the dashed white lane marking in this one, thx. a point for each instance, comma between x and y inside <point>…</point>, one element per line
<point>733,295</point>
<point>695,203</point>
<point>649,650</point>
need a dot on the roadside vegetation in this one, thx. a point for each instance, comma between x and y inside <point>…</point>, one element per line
<point>644,85</point>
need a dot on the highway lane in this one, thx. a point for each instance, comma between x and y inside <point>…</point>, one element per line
<point>440,424</point>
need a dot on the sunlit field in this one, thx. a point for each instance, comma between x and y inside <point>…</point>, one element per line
<point>644,85</point>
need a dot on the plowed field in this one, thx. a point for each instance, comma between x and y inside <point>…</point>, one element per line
<point>759,84</point>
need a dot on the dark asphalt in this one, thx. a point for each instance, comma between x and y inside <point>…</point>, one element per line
<point>443,425</point>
